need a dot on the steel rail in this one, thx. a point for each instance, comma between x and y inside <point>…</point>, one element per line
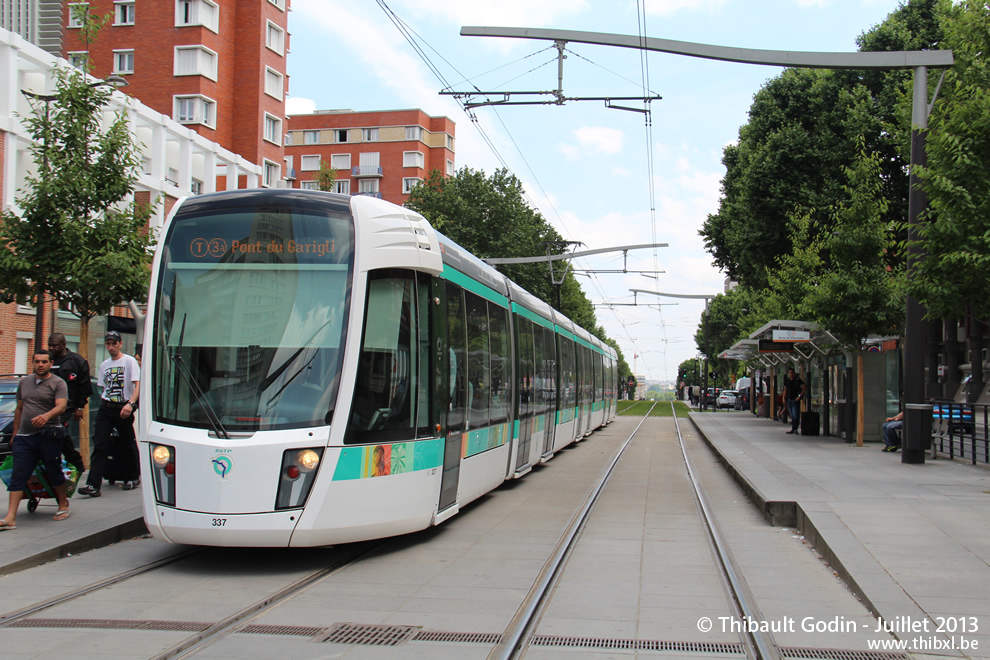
<point>30,610</point>
<point>515,638</point>
<point>195,643</point>
<point>759,645</point>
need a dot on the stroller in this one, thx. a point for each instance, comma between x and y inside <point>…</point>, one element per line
<point>38,485</point>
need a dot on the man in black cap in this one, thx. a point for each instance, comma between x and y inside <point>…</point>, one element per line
<point>74,370</point>
<point>120,375</point>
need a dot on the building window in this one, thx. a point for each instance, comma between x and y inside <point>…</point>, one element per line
<point>409,183</point>
<point>309,163</point>
<point>340,135</point>
<point>309,185</point>
<point>74,9</point>
<point>123,13</point>
<point>196,187</point>
<point>78,60</point>
<point>413,159</point>
<point>278,3</point>
<point>311,137</point>
<point>340,161</point>
<point>195,61</point>
<point>369,134</point>
<point>123,61</point>
<point>197,12</point>
<point>194,110</point>
<point>342,187</point>
<point>276,38</point>
<point>450,142</point>
<point>414,132</point>
<point>273,128</point>
<point>366,186</point>
<point>272,173</point>
<point>273,83</point>
<point>450,168</point>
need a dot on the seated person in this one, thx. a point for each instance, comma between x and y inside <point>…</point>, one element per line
<point>889,431</point>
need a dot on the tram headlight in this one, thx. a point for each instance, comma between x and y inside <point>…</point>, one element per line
<point>307,460</point>
<point>161,455</point>
<point>163,473</point>
<point>296,476</point>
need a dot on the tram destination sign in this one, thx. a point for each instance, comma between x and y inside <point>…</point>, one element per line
<point>769,346</point>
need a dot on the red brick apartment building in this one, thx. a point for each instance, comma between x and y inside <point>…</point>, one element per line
<point>383,153</point>
<point>217,66</point>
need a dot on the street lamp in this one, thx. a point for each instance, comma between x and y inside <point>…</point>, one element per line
<point>110,81</point>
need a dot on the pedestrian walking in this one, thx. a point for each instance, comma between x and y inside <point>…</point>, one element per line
<point>74,370</point>
<point>41,398</point>
<point>794,390</point>
<point>120,375</point>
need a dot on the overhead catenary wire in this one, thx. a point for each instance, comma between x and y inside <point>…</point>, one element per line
<point>414,41</point>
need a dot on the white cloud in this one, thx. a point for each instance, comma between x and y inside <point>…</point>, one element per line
<point>668,7</point>
<point>297,105</point>
<point>593,140</point>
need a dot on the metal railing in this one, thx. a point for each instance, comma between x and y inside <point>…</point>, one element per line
<point>961,430</point>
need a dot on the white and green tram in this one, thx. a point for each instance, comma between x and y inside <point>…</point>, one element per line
<point>322,369</point>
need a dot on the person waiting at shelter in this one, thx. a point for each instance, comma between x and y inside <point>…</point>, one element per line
<point>41,399</point>
<point>889,431</point>
<point>795,390</point>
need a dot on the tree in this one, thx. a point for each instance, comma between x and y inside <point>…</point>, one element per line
<point>950,280</point>
<point>489,217</point>
<point>76,235</point>
<point>802,131</point>
<point>326,178</point>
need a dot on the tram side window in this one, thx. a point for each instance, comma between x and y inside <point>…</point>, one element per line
<point>479,369</point>
<point>542,382</point>
<point>386,389</point>
<point>457,353</point>
<point>599,377</point>
<point>524,380</point>
<point>498,322</point>
<point>425,391</point>
<point>550,388</point>
<point>567,380</point>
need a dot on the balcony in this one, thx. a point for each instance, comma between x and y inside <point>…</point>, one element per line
<point>367,171</point>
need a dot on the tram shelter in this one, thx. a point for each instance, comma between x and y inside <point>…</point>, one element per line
<point>779,345</point>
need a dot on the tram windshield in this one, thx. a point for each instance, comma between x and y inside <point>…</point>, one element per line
<point>251,316</point>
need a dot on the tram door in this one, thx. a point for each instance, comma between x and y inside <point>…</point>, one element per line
<point>548,387</point>
<point>456,394</point>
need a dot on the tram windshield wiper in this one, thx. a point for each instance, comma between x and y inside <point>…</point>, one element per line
<point>211,415</point>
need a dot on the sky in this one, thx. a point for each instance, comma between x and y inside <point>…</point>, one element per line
<point>602,176</point>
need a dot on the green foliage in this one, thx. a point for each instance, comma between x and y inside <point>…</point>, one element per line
<point>802,133</point>
<point>951,279</point>
<point>847,280</point>
<point>489,217</point>
<point>731,316</point>
<point>75,234</point>
<point>326,177</point>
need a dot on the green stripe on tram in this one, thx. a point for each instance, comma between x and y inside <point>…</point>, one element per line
<point>532,316</point>
<point>474,286</point>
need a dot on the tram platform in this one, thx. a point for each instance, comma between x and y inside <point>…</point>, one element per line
<point>94,522</point>
<point>910,540</point>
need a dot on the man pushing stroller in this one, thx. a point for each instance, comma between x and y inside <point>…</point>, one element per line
<point>41,399</point>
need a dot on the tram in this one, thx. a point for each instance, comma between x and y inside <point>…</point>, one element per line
<point>323,369</point>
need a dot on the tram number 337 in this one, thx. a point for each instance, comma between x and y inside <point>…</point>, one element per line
<point>219,522</point>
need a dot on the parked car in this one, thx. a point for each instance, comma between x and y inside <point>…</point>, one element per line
<point>8,403</point>
<point>726,399</point>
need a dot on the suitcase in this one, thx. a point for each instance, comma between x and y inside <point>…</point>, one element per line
<point>120,464</point>
<point>810,423</point>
